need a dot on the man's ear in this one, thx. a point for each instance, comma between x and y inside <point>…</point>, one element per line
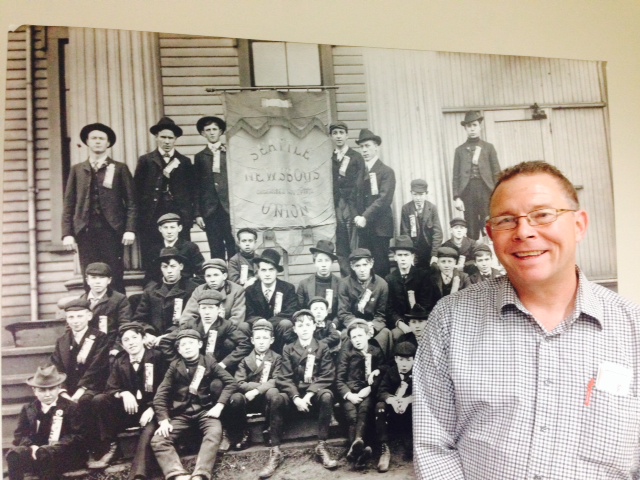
<point>582,224</point>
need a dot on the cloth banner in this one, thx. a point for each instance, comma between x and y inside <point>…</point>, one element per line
<point>279,164</point>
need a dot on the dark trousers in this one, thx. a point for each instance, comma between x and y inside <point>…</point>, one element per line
<point>387,419</point>
<point>281,405</point>
<point>357,416</point>
<point>476,197</point>
<point>235,413</point>
<point>165,451</point>
<point>51,461</point>
<point>346,235</point>
<point>101,243</point>
<point>112,419</point>
<point>379,248</point>
<point>219,235</point>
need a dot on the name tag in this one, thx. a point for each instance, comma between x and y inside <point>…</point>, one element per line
<point>215,168</point>
<point>108,176</point>
<point>148,377</point>
<point>476,155</point>
<point>411,296</point>
<point>173,164</point>
<point>266,367</point>
<point>277,308</point>
<point>244,274</point>
<point>211,341</point>
<point>367,364</point>
<point>343,165</point>
<point>197,378</point>
<point>177,309</point>
<point>86,348</point>
<point>56,427</point>
<point>414,225</point>
<point>328,295</point>
<point>374,183</point>
<point>402,389</point>
<point>102,323</point>
<point>308,369</point>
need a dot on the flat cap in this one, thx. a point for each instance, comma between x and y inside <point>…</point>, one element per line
<point>98,269</point>
<point>137,326</point>
<point>359,253</point>
<point>215,263</point>
<point>318,299</point>
<point>405,349</point>
<point>340,125</point>
<point>458,221</point>
<point>169,217</point>
<point>77,304</point>
<point>262,324</point>
<point>482,248</point>
<point>211,297</point>
<point>359,323</point>
<point>301,313</point>
<point>419,185</point>
<point>188,333</point>
<point>448,252</point>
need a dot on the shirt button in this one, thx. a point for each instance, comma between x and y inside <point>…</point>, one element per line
<point>548,382</point>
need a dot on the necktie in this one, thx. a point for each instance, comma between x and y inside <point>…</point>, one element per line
<point>404,277</point>
<point>93,301</point>
<point>136,365</point>
<point>267,294</point>
<point>259,360</point>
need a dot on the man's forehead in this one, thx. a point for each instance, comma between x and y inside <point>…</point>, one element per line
<point>538,190</point>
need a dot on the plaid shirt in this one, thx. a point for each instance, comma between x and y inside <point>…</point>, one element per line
<point>498,397</point>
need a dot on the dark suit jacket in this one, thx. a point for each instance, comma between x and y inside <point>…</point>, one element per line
<point>235,265</point>
<point>124,378</point>
<point>429,235</point>
<point>192,266</point>
<point>257,306</point>
<point>436,278</point>
<point>92,375</point>
<point>351,291</point>
<point>487,164</point>
<point>377,208</point>
<point>148,180</point>
<point>212,189</point>
<point>249,374</point>
<point>391,381</point>
<point>307,290</point>
<point>294,360</point>
<point>426,293</point>
<point>173,397</point>
<point>477,277</point>
<point>118,204</point>
<point>235,308</point>
<point>351,370</point>
<point>346,186</point>
<point>116,307</point>
<point>25,433</point>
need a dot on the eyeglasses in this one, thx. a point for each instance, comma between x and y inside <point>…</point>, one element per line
<point>536,218</point>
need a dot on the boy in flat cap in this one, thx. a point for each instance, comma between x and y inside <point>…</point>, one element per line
<point>47,440</point>
<point>216,279</point>
<point>100,212</point>
<point>364,295</point>
<point>170,227</point>
<point>419,220</point>
<point>395,399</point>
<point>463,244</point>
<point>408,286</point>
<point>375,219</point>
<point>323,283</point>
<point>272,298</point>
<point>161,304</point>
<point>256,376</point>
<point>326,330</point>
<point>128,399</point>
<point>304,382</point>
<point>483,257</point>
<point>475,170</point>
<point>348,176</point>
<point>110,309</point>
<point>447,278</point>
<point>360,369</point>
<point>212,189</point>
<point>82,354</point>
<point>164,184</point>
<point>241,267</point>
<point>188,398</point>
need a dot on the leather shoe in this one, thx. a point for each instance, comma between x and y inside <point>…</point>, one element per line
<point>355,450</point>
<point>363,458</point>
<point>104,460</point>
<point>323,453</point>
<point>244,442</point>
<point>385,458</point>
<point>275,459</point>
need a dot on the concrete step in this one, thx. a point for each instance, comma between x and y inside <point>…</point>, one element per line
<point>14,388</point>
<point>10,415</point>
<point>24,360</point>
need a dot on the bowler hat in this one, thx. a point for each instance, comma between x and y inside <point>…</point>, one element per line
<point>262,324</point>
<point>471,116</point>
<point>188,333</point>
<point>417,312</point>
<point>137,326</point>
<point>166,123</point>
<point>340,125</point>
<point>215,263</point>
<point>403,242</point>
<point>299,313</point>
<point>169,217</point>
<point>419,185</point>
<point>77,304</point>
<point>98,269</point>
<point>482,248</point>
<point>457,221</point>
<point>447,252</point>
<point>366,134</point>
<point>405,349</point>
<point>47,377</point>
<point>169,253</point>
<point>206,121</point>
<point>325,246</point>
<point>359,253</point>
<point>252,231</point>
<point>101,127</point>
<point>318,299</point>
<point>271,256</point>
<point>211,297</point>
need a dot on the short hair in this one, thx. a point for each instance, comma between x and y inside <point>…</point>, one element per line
<point>539,167</point>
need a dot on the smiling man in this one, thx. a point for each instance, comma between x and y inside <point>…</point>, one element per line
<point>532,375</point>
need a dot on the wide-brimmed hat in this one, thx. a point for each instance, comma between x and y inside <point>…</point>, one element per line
<point>204,121</point>
<point>340,125</point>
<point>471,116</point>
<point>417,313</point>
<point>169,253</point>
<point>271,256</point>
<point>47,377</point>
<point>366,134</point>
<point>101,127</point>
<point>98,269</point>
<point>403,242</point>
<point>166,123</point>
<point>325,246</point>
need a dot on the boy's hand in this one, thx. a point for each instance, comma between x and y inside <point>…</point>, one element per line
<point>301,404</point>
<point>433,260</point>
<point>250,281</point>
<point>149,340</point>
<point>129,401</point>
<point>114,352</point>
<point>66,395</point>
<point>200,222</point>
<point>393,401</point>
<point>165,428</point>
<point>34,449</point>
<point>128,238</point>
<point>360,221</point>
<point>354,398</point>
<point>403,326</point>
<point>146,417</point>
<point>365,392</point>
<point>458,204</point>
<point>69,243</point>
<point>251,394</point>
<point>216,410</point>
<point>79,392</point>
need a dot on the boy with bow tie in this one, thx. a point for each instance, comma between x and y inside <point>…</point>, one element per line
<point>446,277</point>
<point>241,267</point>
<point>47,438</point>
<point>326,330</point>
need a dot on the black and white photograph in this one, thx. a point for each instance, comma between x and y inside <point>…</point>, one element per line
<point>238,258</point>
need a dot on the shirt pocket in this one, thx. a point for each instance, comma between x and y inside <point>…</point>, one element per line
<point>610,431</point>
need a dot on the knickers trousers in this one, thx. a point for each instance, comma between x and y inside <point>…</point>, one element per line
<point>50,462</point>
<point>281,405</point>
<point>358,416</point>
<point>387,419</point>
<point>235,413</point>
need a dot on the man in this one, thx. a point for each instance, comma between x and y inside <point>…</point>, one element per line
<point>475,169</point>
<point>375,222</point>
<point>164,184</point>
<point>212,189</point>
<point>531,375</point>
<point>99,214</point>
<point>323,283</point>
<point>348,175</point>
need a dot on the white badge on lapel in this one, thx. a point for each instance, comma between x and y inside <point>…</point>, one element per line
<point>374,183</point>
<point>108,176</point>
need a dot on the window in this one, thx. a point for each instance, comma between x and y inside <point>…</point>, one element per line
<point>284,63</point>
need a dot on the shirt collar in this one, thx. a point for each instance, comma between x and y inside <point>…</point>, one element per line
<point>100,161</point>
<point>78,335</point>
<point>137,358</point>
<point>168,245</point>
<point>342,150</point>
<point>46,408</point>
<point>162,152</point>
<point>91,296</point>
<point>371,162</point>
<point>214,146</point>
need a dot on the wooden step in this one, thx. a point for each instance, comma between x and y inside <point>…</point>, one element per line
<point>10,415</point>
<point>14,388</point>
<point>25,360</point>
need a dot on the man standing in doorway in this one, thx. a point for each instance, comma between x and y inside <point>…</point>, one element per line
<point>535,374</point>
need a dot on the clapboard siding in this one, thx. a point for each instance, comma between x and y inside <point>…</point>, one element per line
<point>351,98</point>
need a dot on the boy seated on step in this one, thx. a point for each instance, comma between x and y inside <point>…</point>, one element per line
<point>304,382</point>
<point>47,441</point>
<point>326,330</point>
<point>395,398</point>
<point>483,257</point>
<point>188,398</point>
<point>416,319</point>
<point>241,267</point>
<point>256,384</point>
<point>128,399</point>
<point>360,370</point>
<point>463,244</point>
